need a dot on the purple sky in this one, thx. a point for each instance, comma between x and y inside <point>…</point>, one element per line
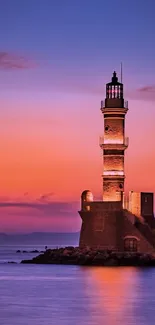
<point>55,59</point>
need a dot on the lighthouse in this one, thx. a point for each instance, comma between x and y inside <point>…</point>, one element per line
<point>113,142</point>
<point>109,224</point>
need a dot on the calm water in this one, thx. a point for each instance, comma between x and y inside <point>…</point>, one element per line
<point>70,295</point>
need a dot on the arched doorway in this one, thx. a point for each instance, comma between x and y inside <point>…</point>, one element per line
<point>130,244</point>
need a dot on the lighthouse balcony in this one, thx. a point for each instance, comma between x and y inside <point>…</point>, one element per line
<point>106,143</point>
<point>114,104</point>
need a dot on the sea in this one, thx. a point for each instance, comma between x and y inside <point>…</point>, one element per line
<point>72,295</point>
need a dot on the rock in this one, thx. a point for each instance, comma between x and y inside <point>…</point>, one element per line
<point>34,251</point>
<point>111,262</point>
<point>12,262</point>
<point>85,256</point>
<point>27,262</point>
<point>66,252</point>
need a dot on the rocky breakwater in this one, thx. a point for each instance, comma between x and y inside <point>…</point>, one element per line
<point>77,256</point>
<point>34,251</point>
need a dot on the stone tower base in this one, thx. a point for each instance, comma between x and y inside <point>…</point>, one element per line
<point>105,225</point>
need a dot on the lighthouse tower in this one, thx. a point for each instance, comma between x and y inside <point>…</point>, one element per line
<point>114,142</point>
<point>109,224</point>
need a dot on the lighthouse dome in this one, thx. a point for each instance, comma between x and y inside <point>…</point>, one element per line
<point>87,196</point>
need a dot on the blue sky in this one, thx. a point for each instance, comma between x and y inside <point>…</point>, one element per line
<point>82,38</point>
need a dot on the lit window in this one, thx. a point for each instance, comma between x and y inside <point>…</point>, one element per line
<point>113,172</point>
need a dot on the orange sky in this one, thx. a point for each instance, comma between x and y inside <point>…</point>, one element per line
<point>53,147</point>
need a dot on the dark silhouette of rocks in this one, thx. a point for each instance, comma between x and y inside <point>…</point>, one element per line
<point>77,256</point>
<point>12,262</point>
<point>34,251</point>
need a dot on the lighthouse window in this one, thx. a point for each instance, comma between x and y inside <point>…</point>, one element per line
<point>110,92</point>
<point>119,91</point>
<point>130,244</point>
<point>113,92</point>
<point>116,92</point>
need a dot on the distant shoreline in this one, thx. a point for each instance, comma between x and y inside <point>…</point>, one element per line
<point>39,239</point>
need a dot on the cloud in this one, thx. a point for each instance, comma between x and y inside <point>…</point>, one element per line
<point>46,197</point>
<point>44,205</point>
<point>35,205</point>
<point>147,93</point>
<point>143,93</point>
<point>10,61</point>
<point>147,89</point>
<point>27,213</point>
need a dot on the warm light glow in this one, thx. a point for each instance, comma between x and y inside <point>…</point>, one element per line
<point>89,197</point>
<point>112,141</point>
<point>134,203</point>
<point>113,173</point>
<point>124,141</point>
<point>115,288</point>
<point>113,197</point>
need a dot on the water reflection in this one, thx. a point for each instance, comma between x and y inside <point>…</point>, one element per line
<point>67,295</point>
<point>115,293</point>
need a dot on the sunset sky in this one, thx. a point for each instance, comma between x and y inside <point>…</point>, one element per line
<point>55,58</point>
